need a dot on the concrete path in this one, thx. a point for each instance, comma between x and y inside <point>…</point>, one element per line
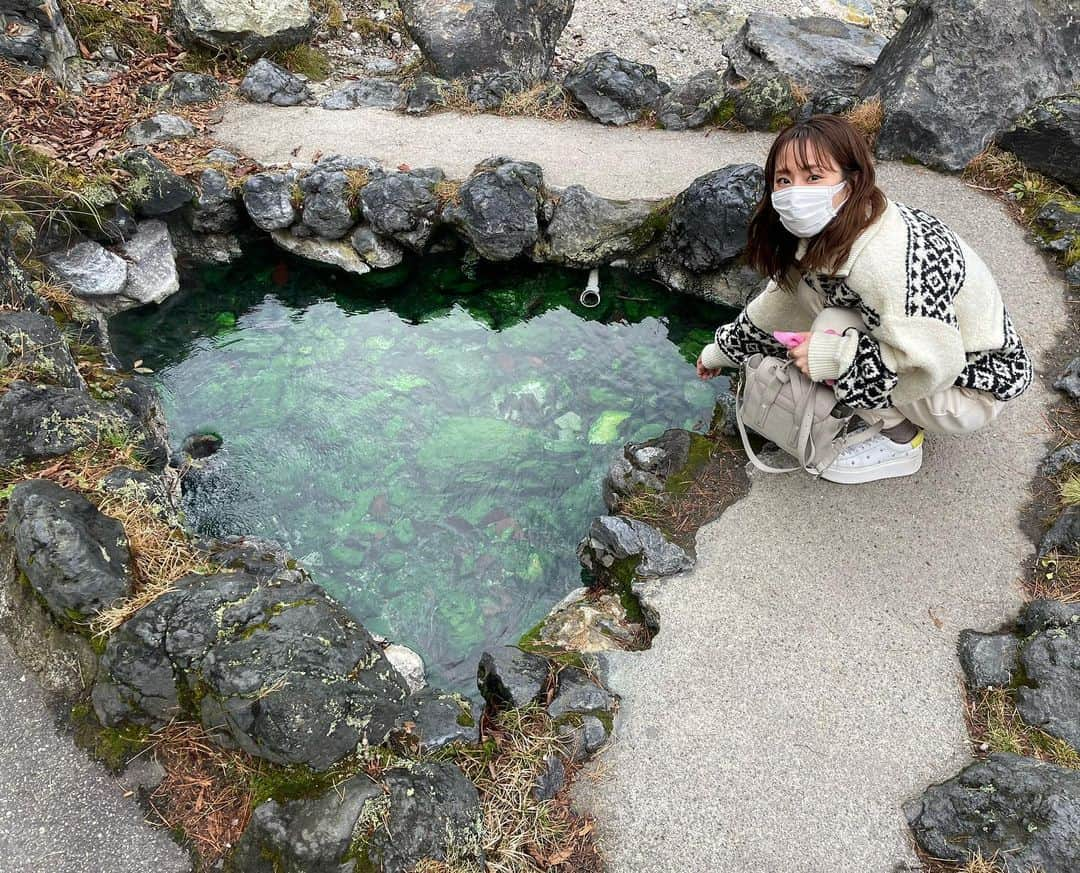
<point>61,812</point>
<point>804,682</point>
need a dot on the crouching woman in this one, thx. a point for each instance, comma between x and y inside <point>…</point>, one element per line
<point>891,308</point>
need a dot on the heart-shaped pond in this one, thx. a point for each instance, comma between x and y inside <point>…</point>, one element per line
<point>430,445</point>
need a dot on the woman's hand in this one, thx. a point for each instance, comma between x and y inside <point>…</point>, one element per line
<point>801,353</point>
<point>704,372</point>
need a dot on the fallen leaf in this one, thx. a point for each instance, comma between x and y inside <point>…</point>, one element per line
<point>938,623</point>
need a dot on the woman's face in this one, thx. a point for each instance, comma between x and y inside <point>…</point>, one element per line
<point>821,171</point>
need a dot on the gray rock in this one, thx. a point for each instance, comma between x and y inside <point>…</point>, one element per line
<point>943,92</point>
<point>508,676</point>
<point>205,248</point>
<point>434,811</point>
<point>764,103</point>
<point>334,252</point>
<point>1059,459</point>
<point>375,250</point>
<point>487,35</point>
<point>551,778</point>
<point>148,487</point>
<point>1050,697</point>
<point>827,102</point>
<point>381,66</point>
<point>577,693</point>
<point>586,230</point>
<point>403,206</point>
<point>1046,137</point>
<point>154,190</point>
<point>34,33</point>
<point>263,558</point>
<point>1072,276</point>
<point>426,93</point>
<point>582,739</point>
<point>487,92</point>
<point>693,103</point>
<point>818,53</point>
<point>158,128</point>
<point>613,539</point>
<point>1042,614</point>
<point>215,210</point>
<point>267,82</point>
<point>188,88</point>
<point>329,205</point>
<point>268,199</point>
<point>253,29</point>
<point>221,156</point>
<point>1063,538</point>
<point>988,659</point>
<point>409,664</point>
<point>309,834</point>
<point>15,288</point>
<point>1061,218</point>
<point>31,343</point>
<point>1069,381</point>
<point>90,270</point>
<point>612,89</point>
<point>76,558</point>
<point>151,274</point>
<point>498,207</point>
<point>380,93</point>
<point>1020,811</point>
<point>433,719</point>
<point>647,466</point>
<point>281,670</point>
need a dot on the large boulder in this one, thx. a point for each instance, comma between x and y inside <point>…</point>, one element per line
<point>267,82</point>
<point>817,53</point>
<point>151,273</point>
<point>614,90</point>
<point>73,556</point>
<point>707,232</point>
<point>498,206</point>
<point>487,35</point>
<point>586,230</point>
<point>91,271</point>
<point>941,78</point>
<point>1046,137</point>
<point>329,202</point>
<point>1022,812</point>
<point>32,344</point>
<point>272,665</point>
<point>403,206</point>
<point>34,33</point>
<point>252,29</point>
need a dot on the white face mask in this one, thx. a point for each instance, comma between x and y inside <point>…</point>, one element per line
<point>805,209</point>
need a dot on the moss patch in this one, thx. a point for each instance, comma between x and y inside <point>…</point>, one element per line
<point>113,747</point>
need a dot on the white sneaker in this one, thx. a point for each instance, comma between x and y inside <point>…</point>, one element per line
<point>875,458</point>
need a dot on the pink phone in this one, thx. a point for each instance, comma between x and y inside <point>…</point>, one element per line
<point>789,339</point>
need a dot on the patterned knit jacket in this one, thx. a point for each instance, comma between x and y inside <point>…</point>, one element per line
<point>933,311</point>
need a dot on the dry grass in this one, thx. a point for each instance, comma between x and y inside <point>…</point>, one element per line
<point>206,792</point>
<point>456,96</point>
<point>161,553</point>
<point>994,723</point>
<point>447,191</point>
<point>1070,490</point>
<point>798,92</point>
<point>867,117</point>
<point>977,864</point>
<point>355,180</point>
<point>520,834</point>
<point>1056,578</point>
<point>544,100</point>
<point>1000,172</point>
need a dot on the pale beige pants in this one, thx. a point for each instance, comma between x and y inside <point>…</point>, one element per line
<point>955,410</point>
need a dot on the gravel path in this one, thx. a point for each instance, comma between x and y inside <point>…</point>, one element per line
<point>61,812</point>
<point>804,682</point>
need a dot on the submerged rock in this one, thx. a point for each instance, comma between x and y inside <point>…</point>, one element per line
<point>76,558</point>
<point>586,230</point>
<point>942,89</point>
<point>988,659</point>
<point>1023,812</point>
<point>273,665</point>
<point>487,35</point>
<point>251,28</point>
<point>267,82</point>
<point>1046,137</point>
<point>32,344</point>
<point>612,89</point>
<point>508,676</point>
<point>498,207</point>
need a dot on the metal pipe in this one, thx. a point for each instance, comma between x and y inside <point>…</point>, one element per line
<point>590,297</point>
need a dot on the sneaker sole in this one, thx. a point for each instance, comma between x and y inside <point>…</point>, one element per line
<point>891,469</point>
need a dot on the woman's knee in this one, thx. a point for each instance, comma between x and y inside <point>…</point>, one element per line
<point>954,412</point>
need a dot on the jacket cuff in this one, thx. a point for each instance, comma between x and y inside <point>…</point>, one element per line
<point>824,356</point>
<point>714,359</point>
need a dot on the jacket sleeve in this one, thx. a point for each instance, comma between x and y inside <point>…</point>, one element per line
<point>903,358</point>
<point>751,332</point>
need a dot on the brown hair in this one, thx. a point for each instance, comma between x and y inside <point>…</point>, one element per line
<point>771,247</point>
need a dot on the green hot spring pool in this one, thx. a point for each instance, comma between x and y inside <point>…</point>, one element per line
<point>428,442</point>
